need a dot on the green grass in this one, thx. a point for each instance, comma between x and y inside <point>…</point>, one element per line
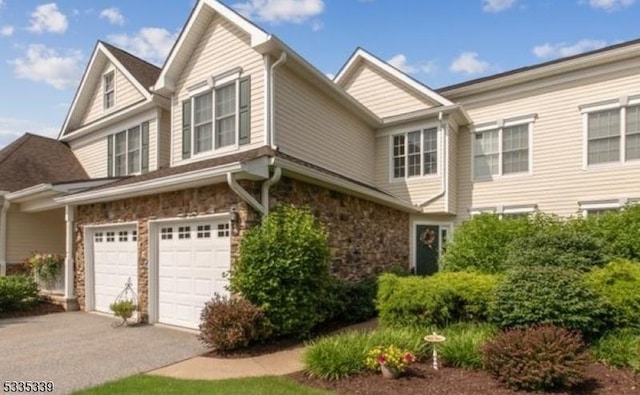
<point>142,385</point>
<point>619,349</point>
<point>463,347</point>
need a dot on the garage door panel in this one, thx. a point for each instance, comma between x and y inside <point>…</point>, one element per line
<point>191,265</point>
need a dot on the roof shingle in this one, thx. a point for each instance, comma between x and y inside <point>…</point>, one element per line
<point>143,71</point>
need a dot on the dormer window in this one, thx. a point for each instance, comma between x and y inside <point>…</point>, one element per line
<point>109,84</point>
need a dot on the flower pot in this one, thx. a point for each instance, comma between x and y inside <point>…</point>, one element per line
<point>389,372</point>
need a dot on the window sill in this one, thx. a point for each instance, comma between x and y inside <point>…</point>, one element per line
<point>612,165</point>
<point>499,178</point>
<point>413,179</point>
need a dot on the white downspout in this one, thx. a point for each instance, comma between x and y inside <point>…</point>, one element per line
<point>271,114</point>
<point>277,173</point>
<point>3,234</point>
<point>445,145</point>
<point>69,216</point>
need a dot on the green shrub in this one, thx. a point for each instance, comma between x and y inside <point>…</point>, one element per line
<point>546,294</point>
<point>539,358</point>
<point>480,243</point>
<point>412,302</point>
<point>17,293</point>
<point>283,267</point>
<point>228,324</point>
<point>353,301</point>
<point>618,284</point>
<point>463,347</point>
<point>345,354</point>
<point>619,232</point>
<point>434,301</point>
<point>563,247</point>
<point>619,349</point>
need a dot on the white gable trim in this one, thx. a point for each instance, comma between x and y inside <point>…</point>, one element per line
<point>361,54</point>
<point>258,36</point>
<point>100,50</point>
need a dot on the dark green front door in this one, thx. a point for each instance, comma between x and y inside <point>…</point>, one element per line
<point>427,249</point>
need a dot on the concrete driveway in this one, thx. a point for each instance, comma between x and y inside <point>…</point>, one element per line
<point>77,350</point>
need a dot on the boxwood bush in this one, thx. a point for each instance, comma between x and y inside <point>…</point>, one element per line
<point>283,267</point>
<point>618,285</point>
<point>17,293</point>
<point>546,294</point>
<point>438,300</point>
<point>352,302</point>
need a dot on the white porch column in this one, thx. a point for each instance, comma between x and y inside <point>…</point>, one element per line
<point>68,262</point>
<point>4,207</point>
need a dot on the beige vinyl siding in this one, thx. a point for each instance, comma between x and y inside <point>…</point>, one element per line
<point>558,181</point>
<point>316,128</point>
<point>26,233</point>
<point>165,140</point>
<point>92,151</point>
<point>382,94</point>
<point>414,189</point>
<point>222,48</point>
<point>126,94</point>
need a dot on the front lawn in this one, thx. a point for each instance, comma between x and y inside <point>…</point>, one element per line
<point>142,384</point>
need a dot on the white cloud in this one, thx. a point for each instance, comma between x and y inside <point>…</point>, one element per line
<point>611,5</point>
<point>150,43</point>
<point>11,129</point>
<point>41,64</point>
<point>113,15</point>
<point>274,11</point>
<point>47,18</point>
<point>469,63</point>
<point>7,31</point>
<point>497,5</point>
<point>561,50</point>
<point>401,63</point>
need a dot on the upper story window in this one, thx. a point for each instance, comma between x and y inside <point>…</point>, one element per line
<point>613,134</point>
<point>502,148</point>
<point>128,151</point>
<point>217,118</point>
<point>109,84</point>
<point>415,153</point>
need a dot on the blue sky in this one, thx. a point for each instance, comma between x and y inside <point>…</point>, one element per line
<point>45,46</point>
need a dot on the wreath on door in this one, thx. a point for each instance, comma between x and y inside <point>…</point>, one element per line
<point>428,237</point>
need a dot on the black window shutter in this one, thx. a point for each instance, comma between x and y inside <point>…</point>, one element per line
<point>186,129</point>
<point>245,113</point>
<point>144,154</point>
<point>110,156</point>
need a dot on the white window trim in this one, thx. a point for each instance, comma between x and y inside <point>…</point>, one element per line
<point>439,153</point>
<point>502,210</point>
<point>104,92</point>
<point>609,204</point>
<point>126,145</point>
<point>210,85</point>
<point>614,104</point>
<point>499,125</point>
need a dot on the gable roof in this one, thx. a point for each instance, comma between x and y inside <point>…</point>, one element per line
<point>140,73</point>
<point>194,27</point>
<point>361,55</point>
<point>552,67</point>
<point>32,160</point>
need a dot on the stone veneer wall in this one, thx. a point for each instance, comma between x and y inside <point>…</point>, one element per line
<point>365,238</point>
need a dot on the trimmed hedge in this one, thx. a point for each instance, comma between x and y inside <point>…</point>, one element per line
<point>353,301</point>
<point>434,301</point>
<point>618,285</point>
<point>17,293</point>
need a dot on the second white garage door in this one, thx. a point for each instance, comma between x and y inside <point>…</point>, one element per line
<point>194,257</point>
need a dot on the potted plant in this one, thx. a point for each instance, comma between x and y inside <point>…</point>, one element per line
<point>45,267</point>
<point>123,309</point>
<point>391,361</point>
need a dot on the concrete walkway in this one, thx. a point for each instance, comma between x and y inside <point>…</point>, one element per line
<point>276,364</point>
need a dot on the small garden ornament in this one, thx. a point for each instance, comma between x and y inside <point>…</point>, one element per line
<point>391,361</point>
<point>434,339</point>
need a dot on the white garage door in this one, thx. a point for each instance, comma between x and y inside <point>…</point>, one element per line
<point>115,252</point>
<point>193,256</point>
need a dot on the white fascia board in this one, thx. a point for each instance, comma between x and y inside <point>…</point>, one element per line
<point>355,189</point>
<point>29,192</point>
<point>258,36</point>
<point>387,68</point>
<point>459,114</point>
<point>164,184</point>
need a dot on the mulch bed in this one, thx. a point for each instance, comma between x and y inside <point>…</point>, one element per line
<point>41,308</point>
<point>422,379</point>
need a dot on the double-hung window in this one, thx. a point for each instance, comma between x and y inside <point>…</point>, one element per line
<point>109,86</point>
<point>217,118</point>
<point>128,151</point>
<point>415,153</point>
<point>613,134</point>
<point>502,150</point>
